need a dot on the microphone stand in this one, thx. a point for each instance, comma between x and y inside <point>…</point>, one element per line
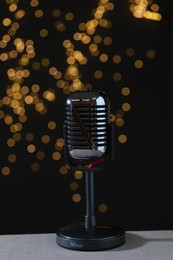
<point>87,236</point>
<point>90,220</point>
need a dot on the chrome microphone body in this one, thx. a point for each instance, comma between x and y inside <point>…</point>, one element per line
<point>87,130</point>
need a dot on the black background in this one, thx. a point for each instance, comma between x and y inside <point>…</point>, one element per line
<point>137,187</point>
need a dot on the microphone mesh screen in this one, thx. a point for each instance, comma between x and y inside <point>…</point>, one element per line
<point>86,126</point>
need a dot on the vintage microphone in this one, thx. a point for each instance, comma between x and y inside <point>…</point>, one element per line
<point>88,136</point>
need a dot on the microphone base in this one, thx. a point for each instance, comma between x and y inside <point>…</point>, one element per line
<point>77,237</point>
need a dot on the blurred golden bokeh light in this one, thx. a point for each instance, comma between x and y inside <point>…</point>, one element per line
<point>27,63</point>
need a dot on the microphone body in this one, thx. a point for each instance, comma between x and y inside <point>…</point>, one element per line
<point>88,132</point>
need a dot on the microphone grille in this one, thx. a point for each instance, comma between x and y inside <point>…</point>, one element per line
<point>86,125</point>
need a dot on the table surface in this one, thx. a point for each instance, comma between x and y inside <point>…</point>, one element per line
<point>139,245</point>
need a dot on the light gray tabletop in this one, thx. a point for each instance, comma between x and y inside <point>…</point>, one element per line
<point>140,245</point>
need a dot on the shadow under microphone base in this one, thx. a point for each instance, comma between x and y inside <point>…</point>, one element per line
<point>77,237</point>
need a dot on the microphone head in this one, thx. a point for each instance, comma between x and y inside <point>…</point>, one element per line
<point>88,132</point>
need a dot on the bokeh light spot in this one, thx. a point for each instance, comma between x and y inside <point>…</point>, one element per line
<point>76,197</point>
<point>103,208</point>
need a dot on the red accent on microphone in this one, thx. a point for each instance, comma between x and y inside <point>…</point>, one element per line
<point>95,162</point>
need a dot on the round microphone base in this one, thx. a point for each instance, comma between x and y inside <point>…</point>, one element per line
<point>77,237</point>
